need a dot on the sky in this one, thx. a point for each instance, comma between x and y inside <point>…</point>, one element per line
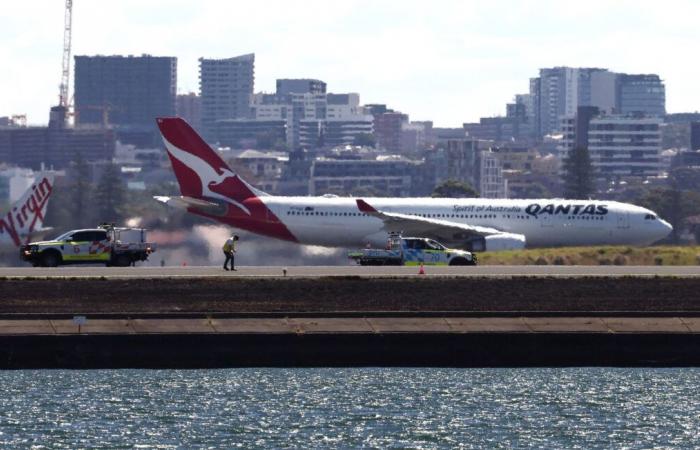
<point>450,61</point>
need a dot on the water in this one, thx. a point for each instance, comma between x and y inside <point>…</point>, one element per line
<point>302,408</point>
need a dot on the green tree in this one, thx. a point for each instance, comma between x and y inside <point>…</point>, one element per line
<point>364,140</point>
<point>80,193</point>
<point>454,189</point>
<point>672,205</point>
<point>109,195</point>
<point>578,174</point>
<point>536,190</point>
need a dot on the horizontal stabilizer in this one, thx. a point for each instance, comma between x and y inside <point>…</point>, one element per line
<point>182,202</point>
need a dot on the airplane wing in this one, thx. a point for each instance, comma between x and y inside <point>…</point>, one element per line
<point>445,231</point>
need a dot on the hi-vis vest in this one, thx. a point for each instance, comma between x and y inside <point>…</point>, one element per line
<point>230,245</point>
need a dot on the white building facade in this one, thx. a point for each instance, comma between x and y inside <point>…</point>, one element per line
<point>619,146</point>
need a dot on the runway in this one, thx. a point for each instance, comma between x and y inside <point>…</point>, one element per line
<point>347,271</point>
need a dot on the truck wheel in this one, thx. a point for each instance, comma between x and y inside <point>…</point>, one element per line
<point>123,260</point>
<point>459,262</point>
<point>50,258</point>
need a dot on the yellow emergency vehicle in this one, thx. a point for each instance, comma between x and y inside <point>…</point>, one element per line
<point>106,244</point>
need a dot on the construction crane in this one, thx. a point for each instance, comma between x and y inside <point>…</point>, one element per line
<point>59,114</point>
<point>65,77</point>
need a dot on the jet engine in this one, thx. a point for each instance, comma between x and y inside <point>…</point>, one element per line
<point>497,242</point>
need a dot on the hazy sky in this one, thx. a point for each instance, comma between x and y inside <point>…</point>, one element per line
<point>446,61</point>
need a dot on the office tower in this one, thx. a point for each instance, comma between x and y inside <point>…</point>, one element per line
<point>226,87</point>
<point>124,90</point>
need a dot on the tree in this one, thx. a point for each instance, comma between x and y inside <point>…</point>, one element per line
<point>454,189</point>
<point>536,190</point>
<point>578,174</point>
<point>80,193</point>
<point>364,140</point>
<point>109,195</point>
<point>672,205</point>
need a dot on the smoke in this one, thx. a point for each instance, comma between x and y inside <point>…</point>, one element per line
<point>202,245</point>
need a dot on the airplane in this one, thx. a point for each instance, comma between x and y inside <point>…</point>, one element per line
<point>211,189</point>
<point>25,219</point>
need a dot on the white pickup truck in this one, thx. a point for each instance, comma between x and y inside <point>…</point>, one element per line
<point>106,244</point>
<point>412,251</point>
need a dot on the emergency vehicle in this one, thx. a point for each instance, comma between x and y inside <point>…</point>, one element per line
<point>106,244</point>
<point>412,251</point>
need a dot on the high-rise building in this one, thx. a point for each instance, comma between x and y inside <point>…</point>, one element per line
<point>300,86</point>
<point>491,181</point>
<point>559,91</point>
<point>563,89</point>
<point>387,130</point>
<point>226,87</point>
<point>126,92</point>
<point>641,94</point>
<point>695,136</point>
<point>189,107</point>
<point>619,146</point>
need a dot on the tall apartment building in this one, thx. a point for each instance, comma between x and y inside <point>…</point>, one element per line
<point>641,94</point>
<point>563,89</point>
<point>300,86</point>
<point>491,181</point>
<point>559,91</point>
<point>126,92</point>
<point>189,107</point>
<point>387,130</point>
<point>694,136</point>
<point>226,87</point>
<point>620,146</point>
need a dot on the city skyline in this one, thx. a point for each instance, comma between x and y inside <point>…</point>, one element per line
<point>450,63</point>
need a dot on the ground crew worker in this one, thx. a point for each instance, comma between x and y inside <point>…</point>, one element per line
<point>229,250</point>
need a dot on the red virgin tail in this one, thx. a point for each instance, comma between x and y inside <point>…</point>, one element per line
<point>200,171</point>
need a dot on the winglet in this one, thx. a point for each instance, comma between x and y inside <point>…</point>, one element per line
<point>365,207</point>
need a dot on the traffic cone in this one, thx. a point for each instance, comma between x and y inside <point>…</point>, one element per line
<point>421,271</point>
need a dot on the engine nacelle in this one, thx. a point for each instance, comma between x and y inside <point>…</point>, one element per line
<point>497,242</point>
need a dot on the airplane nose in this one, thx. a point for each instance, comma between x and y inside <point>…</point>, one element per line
<point>665,228</point>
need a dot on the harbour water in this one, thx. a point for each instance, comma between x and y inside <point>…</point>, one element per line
<point>366,407</point>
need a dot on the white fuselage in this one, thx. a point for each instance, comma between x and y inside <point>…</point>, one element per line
<point>337,221</point>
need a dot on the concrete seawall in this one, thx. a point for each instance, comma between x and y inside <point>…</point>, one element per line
<point>349,321</point>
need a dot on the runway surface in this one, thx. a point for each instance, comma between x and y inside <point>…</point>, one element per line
<point>339,271</point>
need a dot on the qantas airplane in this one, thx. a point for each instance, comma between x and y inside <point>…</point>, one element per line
<point>25,218</point>
<point>210,189</point>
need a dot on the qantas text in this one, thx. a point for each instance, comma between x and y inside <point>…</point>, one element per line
<point>535,209</point>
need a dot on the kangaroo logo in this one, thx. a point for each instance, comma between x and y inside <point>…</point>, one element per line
<point>209,177</point>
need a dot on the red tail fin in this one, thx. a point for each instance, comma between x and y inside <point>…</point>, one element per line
<point>200,171</point>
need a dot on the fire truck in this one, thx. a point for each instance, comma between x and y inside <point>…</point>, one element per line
<point>106,244</point>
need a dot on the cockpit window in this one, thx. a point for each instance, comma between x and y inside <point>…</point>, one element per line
<point>650,217</point>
